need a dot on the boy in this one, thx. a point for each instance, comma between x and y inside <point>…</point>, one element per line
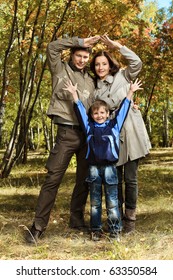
<point>103,149</point>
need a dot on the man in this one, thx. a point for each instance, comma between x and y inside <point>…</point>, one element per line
<point>70,139</point>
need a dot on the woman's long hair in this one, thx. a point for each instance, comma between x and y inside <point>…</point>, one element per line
<point>114,66</point>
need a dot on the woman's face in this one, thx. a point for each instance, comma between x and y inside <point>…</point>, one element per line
<point>102,67</point>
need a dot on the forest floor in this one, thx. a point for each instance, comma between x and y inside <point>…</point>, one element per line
<point>152,240</point>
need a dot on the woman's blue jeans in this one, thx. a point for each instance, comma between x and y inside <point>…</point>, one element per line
<point>107,176</point>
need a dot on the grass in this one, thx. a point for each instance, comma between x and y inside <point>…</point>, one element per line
<point>152,240</point>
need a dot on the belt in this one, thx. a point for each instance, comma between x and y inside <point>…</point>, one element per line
<point>71,126</point>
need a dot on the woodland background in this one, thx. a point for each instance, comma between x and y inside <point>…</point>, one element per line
<point>26,26</point>
<point>27,134</point>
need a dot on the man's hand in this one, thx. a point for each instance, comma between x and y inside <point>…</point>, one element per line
<point>89,42</point>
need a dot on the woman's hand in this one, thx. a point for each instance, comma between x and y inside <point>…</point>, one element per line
<point>110,43</point>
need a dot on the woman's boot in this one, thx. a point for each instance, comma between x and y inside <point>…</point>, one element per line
<point>129,220</point>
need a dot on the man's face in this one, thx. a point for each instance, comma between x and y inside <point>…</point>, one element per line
<point>80,58</point>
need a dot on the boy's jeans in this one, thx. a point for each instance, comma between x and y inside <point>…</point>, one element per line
<point>106,175</point>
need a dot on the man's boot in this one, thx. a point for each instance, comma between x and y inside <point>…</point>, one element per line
<point>129,220</point>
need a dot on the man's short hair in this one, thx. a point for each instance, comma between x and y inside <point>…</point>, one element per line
<point>74,49</point>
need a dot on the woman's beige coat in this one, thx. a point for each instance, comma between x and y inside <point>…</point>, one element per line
<point>134,139</point>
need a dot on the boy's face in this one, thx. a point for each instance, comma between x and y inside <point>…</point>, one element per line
<point>80,58</point>
<point>100,115</point>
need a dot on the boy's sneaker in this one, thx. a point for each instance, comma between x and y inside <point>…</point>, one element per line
<point>96,235</point>
<point>115,236</point>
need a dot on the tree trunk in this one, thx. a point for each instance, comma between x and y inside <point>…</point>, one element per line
<point>165,134</point>
<point>5,70</point>
<point>29,86</point>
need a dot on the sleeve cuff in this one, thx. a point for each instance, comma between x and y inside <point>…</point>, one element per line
<point>81,42</point>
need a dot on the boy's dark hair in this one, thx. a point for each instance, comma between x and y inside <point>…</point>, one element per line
<point>114,66</point>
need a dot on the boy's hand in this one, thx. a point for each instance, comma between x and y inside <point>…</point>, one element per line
<point>135,106</point>
<point>136,85</point>
<point>133,87</point>
<point>72,89</point>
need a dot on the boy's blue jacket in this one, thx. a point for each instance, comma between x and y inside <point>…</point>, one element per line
<point>102,139</point>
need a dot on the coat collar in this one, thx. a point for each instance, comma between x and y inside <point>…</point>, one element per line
<point>75,69</point>
<point>109,80</point>
<point>101,124</point>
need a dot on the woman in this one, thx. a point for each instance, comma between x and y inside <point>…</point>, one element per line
<point>112,85</point>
